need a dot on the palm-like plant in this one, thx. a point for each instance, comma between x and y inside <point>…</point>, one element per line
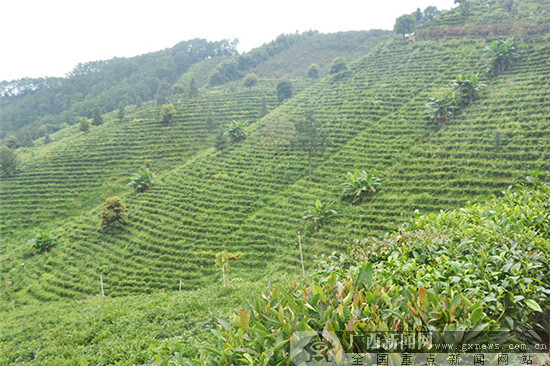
<point>441,109</point>
<point>466,87</point>
<point>236,131</point>
<point>142,180</point>
<point>320,214</point>
<point>500,54</point>
<point>359,186</point>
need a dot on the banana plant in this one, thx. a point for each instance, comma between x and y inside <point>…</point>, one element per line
<point>466,87</point>
<point>236,131</point>
<point>359,185</point>
<point>441,109</point>
<point>500,55</point>
<point>320,214</point>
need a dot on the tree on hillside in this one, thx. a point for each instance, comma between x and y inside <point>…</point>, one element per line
<point>313,71</point>
<point>509,5</point>
<point>222,261</point>
<point>193,89</point>
<point>12,142</point>
<point>339,65</point>
<point>167,113</point>
<point>97,119</point>
<point>139,102</point>
<point>27,140</point>
<point>405,24</point>
<point>464,6</point>
<point>113,213</point>
<point>162,96</point>
<point>221,141</point>
<point>121,113</point>
<point>263,108</point>
<point>83,124</point>
<point>47,139</point>
<point>309,137</point>
<point>284,89</point>
<point>8,161</point>
<point>250,80</point>
<point>280,133</point>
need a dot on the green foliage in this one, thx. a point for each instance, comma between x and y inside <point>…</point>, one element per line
<point>43,242</point>
<point>106,83</point>
<point>339,64</point>
<point>47,139</point>
<point>193,89</point>
<point>121,112</point>
<point>142,180</point>
<point>500,55</point>
<point>27,140</point>
<point>263,108</point>
<point>405,24</point>
<point>8,161</point>
<point>320,214</point>
<point>313,71</point>
<point>359,186</point>
<point>222,261</point>
<point>167,113</point>
<point>113,213</point>
<point>466,88</point>
<point>83,124</point>
<point>441,109</point>
<point>221,141</point>
<point>12,142</point>
<point>97,120</point>
<point>236,130</point>
<point>284,89</point>
<point>464,7</point>
<point>484,267</point>
<point>310,137</point>
<point>250,80</point>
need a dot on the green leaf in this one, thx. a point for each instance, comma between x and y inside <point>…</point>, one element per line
<point>533,305</point>
<point>476,315</point>
<point>365,276</point>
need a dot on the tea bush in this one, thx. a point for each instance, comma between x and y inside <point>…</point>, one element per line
<point>482,267</point>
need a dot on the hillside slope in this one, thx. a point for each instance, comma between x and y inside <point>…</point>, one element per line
<point>246,200</point>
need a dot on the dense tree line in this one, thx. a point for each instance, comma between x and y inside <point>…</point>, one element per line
<point>53,102</point>
<point>237,67</point>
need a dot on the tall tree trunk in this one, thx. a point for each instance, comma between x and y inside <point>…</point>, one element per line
<point>309,159</point>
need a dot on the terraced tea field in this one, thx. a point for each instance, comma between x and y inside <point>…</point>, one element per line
<point>78,172</point>
<point>244,199</point>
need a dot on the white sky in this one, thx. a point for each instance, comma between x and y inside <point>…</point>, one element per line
<point>49,37</point>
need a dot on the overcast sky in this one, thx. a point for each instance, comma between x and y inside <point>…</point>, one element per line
<point>49,37</point>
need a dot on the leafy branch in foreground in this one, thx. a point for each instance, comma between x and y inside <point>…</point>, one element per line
<point>470,271</point>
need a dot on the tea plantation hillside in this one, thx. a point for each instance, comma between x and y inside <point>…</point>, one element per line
<point>79,171</point>
<point>245,199</point>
